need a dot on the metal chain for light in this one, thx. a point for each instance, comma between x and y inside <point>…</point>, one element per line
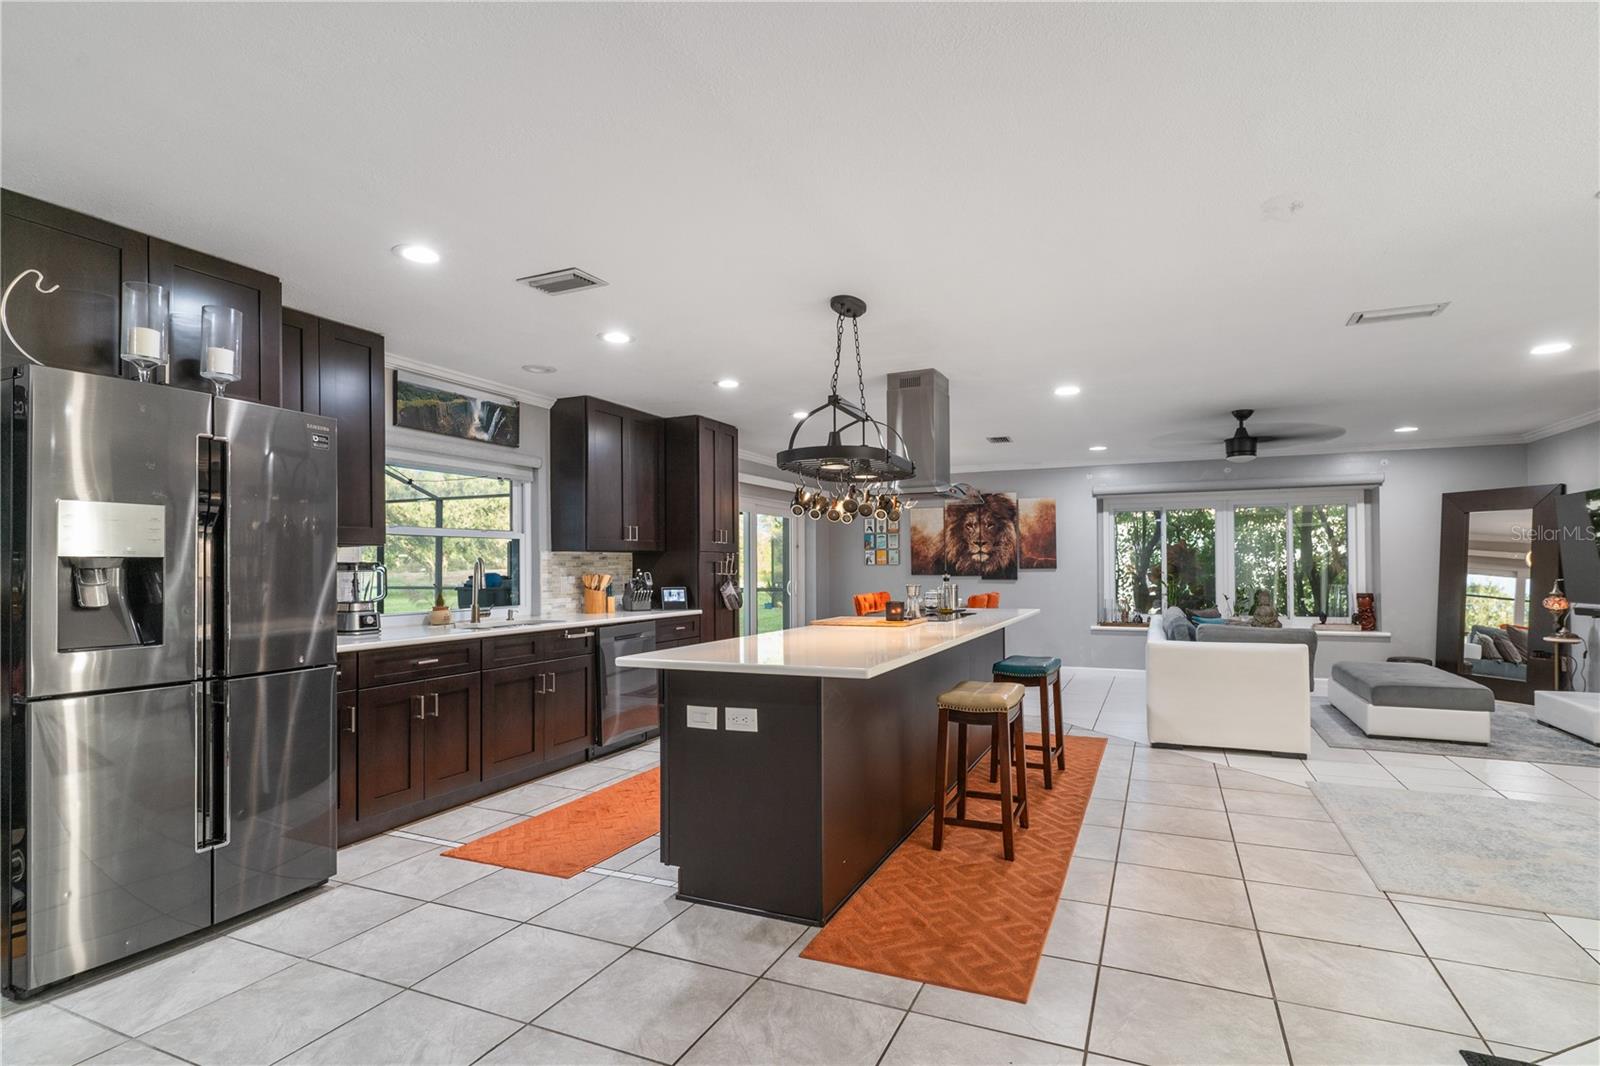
<point>861,381</point>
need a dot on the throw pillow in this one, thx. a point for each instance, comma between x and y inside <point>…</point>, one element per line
<point>1519,637</point>
<point>1508,651</point>
<point>1490,652</point>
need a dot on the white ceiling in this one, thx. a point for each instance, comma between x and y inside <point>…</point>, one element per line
<point>1026,195</point>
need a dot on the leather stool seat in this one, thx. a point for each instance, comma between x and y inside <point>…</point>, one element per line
<point>982,696</point>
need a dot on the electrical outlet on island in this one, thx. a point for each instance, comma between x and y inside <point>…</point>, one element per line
<point>741,719</point>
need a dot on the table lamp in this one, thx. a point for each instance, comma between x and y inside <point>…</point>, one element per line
<point>1557,605</point>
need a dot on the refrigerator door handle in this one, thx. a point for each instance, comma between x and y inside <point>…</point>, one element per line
<point>211,536</point>
<point>213,768</point>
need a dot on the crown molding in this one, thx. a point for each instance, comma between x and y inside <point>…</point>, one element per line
<point>1561,426</point>
<point>449,374</point>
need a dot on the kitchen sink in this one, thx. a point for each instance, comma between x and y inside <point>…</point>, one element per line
<point>503,623</point>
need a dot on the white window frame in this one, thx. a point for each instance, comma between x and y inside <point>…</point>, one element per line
<point>522,498</point>
<point>1358,501</point>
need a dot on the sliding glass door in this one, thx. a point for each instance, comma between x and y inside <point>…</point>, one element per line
<point>767,553</point>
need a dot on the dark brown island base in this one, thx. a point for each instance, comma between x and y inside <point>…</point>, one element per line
<point>793,763</point>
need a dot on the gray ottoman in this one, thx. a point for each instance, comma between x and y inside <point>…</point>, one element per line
<point>1411,701</point>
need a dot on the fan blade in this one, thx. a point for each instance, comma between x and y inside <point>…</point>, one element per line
<point>1296,432</point>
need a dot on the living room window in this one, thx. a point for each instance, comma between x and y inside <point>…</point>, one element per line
<point>439,523</point>
<point>1306,549</point>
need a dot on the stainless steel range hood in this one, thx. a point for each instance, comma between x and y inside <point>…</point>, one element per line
<point>918,409</point>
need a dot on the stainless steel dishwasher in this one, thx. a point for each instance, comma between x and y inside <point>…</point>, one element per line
<point>630,699</point>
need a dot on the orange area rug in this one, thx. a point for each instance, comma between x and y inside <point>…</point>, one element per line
<point>571,838</point>
<point>964,917</point>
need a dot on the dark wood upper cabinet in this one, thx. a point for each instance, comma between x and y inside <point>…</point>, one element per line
<point>336,370</point>
<point>77,326</point>
<point>195,279</point>
<point>702,483</point>
<point>605,492</point>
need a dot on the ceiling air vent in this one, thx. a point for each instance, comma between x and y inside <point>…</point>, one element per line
<point>998,440</point>
<point>1396,314</point>
<point>558,282</point>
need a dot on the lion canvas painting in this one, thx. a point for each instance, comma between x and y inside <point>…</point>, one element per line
<point>976,538</point>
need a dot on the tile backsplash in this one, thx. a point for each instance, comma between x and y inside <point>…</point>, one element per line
<point>559,589</point>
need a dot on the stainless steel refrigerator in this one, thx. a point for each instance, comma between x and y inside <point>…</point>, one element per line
<point>168,650</point>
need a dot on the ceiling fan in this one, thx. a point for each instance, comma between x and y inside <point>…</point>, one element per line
<point>1241,447</point>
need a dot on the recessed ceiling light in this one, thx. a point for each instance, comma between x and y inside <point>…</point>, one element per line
<point>416,253</point>
<point>798,415</point>
<point>1551,348</point>
<point>538,368</point>
<point>728,383</point>
<point>616,336</point>
<point>1097,447</point>
<point>1405,429</point>
<point>1067,390</point>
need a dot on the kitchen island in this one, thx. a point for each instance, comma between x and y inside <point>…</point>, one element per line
<point>794,762</point>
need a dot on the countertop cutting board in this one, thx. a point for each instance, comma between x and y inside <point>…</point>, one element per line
<point>867,620</point>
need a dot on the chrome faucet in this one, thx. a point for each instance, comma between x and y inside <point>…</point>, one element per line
<point>477,583</point>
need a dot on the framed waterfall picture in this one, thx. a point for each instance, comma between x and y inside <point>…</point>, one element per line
<point>434,407</point>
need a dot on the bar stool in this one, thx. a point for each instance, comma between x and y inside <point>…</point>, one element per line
<point>1044,672</point>
<point>997,706</point>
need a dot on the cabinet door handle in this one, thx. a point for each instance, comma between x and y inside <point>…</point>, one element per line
<point>422,709</point>
<point>552,677</point>
<point>436,705</point>
<point>425,662</point>
<point>679,629</point>
<point>540,690</point>
<point>587,633</point>
<point>351,728</point>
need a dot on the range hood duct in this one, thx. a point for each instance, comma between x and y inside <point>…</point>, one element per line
<point>918,410</point>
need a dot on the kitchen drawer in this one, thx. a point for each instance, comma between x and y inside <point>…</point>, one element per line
<point>511,650</point>
<point>562,643</point>
<point>663,645</point>
<point>344,673</point>
<point>420,661</point>
<point>685,628</point>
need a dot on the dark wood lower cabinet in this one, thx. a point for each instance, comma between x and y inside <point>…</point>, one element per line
<point>347,713</point>
<point>408,749</point>
<point>450,756</point>
<point>511,741</point>
<point>566,707</point>
<point>390,723</point>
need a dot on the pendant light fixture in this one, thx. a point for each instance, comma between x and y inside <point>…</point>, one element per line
<point>863,460</point>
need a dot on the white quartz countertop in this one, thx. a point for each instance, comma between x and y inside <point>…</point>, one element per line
<point>404,636</point>
<point>852,652</point>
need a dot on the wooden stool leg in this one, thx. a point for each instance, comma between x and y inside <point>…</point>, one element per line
<point>1006,813</point>
<point>941,778</point>
<point>1044,733</point>
<point>1061,732</point>
<point>994,759</point>
<point>961,770</point>
<point>1022,772</point>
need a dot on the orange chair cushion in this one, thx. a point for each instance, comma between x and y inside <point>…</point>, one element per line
<point>870,602</point>
<point>984,599</point>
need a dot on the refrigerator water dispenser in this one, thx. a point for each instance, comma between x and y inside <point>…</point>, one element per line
<point>112,556</point>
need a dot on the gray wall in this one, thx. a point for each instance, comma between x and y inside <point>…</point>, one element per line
<point>1406,561</point>
<point>1573,459</point>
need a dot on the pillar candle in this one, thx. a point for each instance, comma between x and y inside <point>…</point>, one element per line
<point>144,342</point>
<point>219,361</point>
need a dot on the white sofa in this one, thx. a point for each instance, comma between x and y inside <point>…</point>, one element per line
<point>1577,713</point>
<point>1221,695</point>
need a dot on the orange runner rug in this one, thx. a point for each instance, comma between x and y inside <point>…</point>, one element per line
<point>571,838</point>
<point>964,917</point>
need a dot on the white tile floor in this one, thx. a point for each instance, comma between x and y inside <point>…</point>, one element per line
<point>1211,914</point>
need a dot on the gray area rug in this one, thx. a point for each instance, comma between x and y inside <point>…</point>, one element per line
<point>1513,733</point>
<point>1498,852</point>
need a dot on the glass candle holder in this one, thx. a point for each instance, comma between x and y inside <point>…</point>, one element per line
<point>221,341</point>
<point>144,327</point>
